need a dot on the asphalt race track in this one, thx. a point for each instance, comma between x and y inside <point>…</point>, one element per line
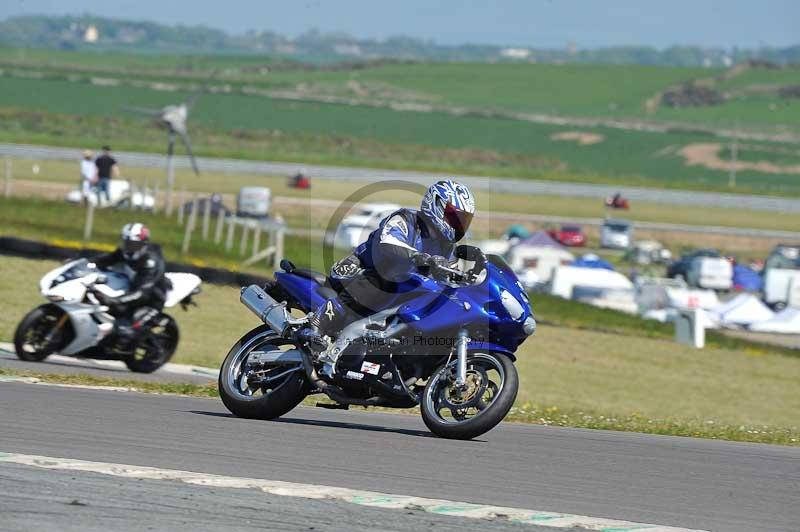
<point>680,482</point>
<point>62,365</point>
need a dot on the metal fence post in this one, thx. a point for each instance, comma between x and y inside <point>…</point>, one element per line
<point>218,230</point>
<point>229,238</point>
<point>206,217</point>
<point>190,224</point>
<point>89,222</point>
<point>243,243</point>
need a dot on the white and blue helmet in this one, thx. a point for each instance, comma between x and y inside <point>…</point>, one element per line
<point>449,206</point>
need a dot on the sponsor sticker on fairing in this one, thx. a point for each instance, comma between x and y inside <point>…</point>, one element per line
<point>371,368</point>
<point>354,375</point>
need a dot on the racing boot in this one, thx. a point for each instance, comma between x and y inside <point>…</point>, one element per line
<point>327,320</point>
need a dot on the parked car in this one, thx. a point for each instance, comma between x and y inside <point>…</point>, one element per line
<point>648,252</point>
<point>354,229</point>
<point>120,195</point>
<point>616,234</point>
<point>217,207</point>
<point>569,235</point>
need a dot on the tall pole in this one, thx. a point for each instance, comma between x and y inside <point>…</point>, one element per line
<point>734,155</point>
<point>170,172</point>
<point>7,187</point>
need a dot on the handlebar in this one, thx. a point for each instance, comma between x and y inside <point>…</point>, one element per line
<point>425,260</point>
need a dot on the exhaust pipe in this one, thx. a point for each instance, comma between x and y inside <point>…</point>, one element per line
<point>266,308</point>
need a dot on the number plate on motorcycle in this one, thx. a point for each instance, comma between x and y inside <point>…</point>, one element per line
<point>369,367</point>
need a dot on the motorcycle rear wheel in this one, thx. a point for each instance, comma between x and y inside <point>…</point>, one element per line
<point>156,348</point>
<point>466,414</point>
<point>257,401</point>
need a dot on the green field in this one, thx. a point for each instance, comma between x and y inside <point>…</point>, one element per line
<point>260,128</point>
<point>628,380</point>
<point>615,91</point>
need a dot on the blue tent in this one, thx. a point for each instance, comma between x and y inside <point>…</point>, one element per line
<point>745,278</point>
<point>592,261</point>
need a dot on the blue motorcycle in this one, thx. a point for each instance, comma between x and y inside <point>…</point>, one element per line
<point>447,345</point>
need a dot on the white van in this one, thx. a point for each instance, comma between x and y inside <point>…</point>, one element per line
<point>782,277</point>
<point>714,273</point>
<point>616,234</point>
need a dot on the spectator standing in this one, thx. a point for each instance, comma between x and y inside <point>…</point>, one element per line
<point>88,175</point>
<point>106,169</point>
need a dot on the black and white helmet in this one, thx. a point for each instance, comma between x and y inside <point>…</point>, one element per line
<point>135,237</point>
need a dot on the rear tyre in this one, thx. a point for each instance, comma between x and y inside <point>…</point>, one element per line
<point>33,341</point>
<point>279,388</point>
<point>156,347</point>
<point>492,384</point>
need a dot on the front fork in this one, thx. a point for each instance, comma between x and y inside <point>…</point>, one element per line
<point>461,360</point>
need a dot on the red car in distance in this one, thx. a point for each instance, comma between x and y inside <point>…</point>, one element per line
<point>569,235</point>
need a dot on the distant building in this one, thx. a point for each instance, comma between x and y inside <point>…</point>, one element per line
<point>347,49</point>
<point>91,35</point>
<point>515,53</point>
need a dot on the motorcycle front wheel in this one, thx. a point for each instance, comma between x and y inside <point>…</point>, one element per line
<point>477,407</point>
<point>260,392</point>
<point>38,335</point>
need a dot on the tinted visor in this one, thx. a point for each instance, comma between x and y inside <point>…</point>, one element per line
<point>457,219</point>
<point>132,247</point>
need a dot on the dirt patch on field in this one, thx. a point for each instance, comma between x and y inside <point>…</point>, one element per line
<point>706,154</point>
<point>581,137</point>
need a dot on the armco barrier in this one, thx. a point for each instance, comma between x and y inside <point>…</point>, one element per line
<point>39,250</point>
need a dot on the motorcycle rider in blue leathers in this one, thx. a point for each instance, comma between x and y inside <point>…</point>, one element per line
<point>372,275</point>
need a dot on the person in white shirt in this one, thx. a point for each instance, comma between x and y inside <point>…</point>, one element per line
<point>88,175</point>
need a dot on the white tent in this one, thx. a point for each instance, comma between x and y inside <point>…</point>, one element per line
<point>787,321</point>
<point>743,309</point>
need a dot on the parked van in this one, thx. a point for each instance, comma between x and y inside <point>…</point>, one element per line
<point>782,277</point>
<point>616,234</point>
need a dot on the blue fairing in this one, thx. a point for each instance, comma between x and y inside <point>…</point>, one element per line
<point>304,290</point>
<point>439,311</point>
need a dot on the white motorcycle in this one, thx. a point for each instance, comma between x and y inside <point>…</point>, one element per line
<point>74,323</point>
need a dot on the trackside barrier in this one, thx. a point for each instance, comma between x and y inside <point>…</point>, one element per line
<point>39,250</point>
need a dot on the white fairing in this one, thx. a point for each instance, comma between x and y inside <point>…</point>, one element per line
<point>115,285</point>
<point>183,284</point>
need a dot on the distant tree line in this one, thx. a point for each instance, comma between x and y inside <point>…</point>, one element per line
<point>90,32</point>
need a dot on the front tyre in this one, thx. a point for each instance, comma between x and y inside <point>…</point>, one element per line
<point>41,333</point>
<point>462,414</point>
<point>257,392</point>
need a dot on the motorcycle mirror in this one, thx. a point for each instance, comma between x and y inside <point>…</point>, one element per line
<point>470,253</point>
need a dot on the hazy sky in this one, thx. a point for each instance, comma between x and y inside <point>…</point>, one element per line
<point>536,23</point>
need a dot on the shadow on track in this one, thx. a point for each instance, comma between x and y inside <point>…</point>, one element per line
<point>327,423</point>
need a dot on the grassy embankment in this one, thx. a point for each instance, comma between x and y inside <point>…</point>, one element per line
<point>588,368</point>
